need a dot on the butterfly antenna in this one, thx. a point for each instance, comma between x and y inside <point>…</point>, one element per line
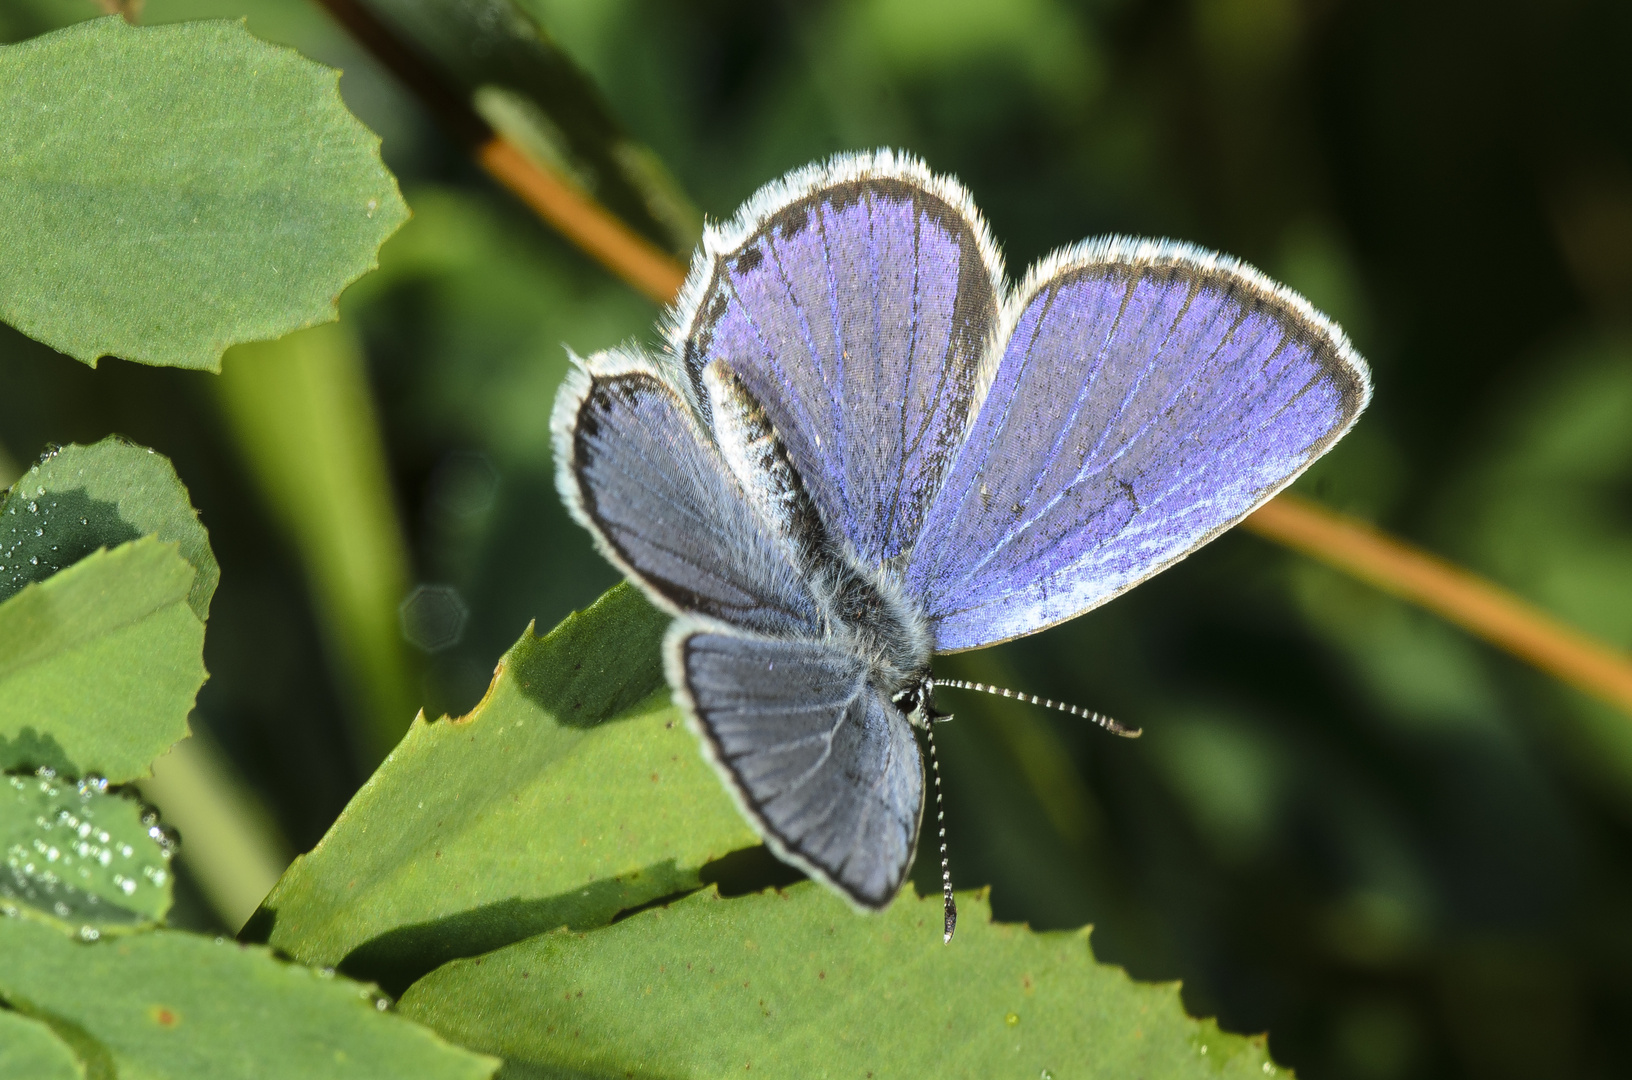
<point>1075,710</point>
<point>948,905</point>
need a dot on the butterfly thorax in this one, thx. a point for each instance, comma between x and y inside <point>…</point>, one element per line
<point>864,610</point>
<point>869,615</point>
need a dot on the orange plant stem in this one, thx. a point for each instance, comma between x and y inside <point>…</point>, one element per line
<point>583,221</point>
<point>1476,605</point>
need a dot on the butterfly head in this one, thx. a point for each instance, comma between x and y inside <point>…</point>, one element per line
<point>916,701</point>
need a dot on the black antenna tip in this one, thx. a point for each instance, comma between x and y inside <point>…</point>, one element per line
<point>951,919</point>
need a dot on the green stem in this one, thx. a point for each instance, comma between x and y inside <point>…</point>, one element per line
<point>302,414</point>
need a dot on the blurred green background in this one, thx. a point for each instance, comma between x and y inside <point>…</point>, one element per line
<point>1401,853</point>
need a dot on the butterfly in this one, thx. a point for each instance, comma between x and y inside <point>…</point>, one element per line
<point>860,445</point>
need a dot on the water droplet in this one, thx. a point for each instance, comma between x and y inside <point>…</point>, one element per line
<point>1046,1075</point>
<point>89,933</point>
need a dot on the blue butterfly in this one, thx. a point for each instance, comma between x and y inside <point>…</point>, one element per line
<point>862,446</point>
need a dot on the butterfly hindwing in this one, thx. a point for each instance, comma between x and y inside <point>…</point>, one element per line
<point>635,467</point>
<point>1149,396</point>
<point>854,300</point>
<point>827,770</point>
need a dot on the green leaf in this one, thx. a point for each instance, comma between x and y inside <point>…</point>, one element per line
<point>100,663</point>
<point>71,503</point>
<point>173,190</point>
<point>179,1005</point>
<point>29,1051</point>
<point>572,792</point>
<point>794,983</point>
<point>80,498</point>
<point>79,858</point>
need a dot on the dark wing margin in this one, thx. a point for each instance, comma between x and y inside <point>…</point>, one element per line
<point>825,768</point>
<point>1147,397</point>
<point>854,300</point>
<point>636,469</point>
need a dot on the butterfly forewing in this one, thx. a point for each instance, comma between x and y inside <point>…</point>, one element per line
<point>1148,397</point>
<point>635,467</point>
<point>854,303</point>
<point>827,769</point>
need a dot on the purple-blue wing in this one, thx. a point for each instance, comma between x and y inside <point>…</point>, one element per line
<point>1149,397</point>
<point>636,468</point>
<point>820,762</point>
<point>854,301</point>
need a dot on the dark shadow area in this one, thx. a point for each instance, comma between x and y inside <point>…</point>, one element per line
<point>41,534</point>
<point>748,871</point>
<point>257,929</point>
<point>30,749</point>
<point>527,1070</point>
<point>617,651</point>
<point>395,960</point>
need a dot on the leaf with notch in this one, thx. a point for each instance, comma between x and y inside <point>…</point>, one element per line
<point>794,983</point>
<point>573,791</point>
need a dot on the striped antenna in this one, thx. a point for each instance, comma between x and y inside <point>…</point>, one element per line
<point>949,906</point>
<point>1075,710</point>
